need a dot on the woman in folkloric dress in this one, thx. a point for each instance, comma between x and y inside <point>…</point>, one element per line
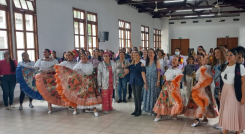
<point>77,87</point>
<point>69,63</point>
<point>170,101</point>
<point>46,82</point>
<point>153,73</point>
<point>201,102</point>
<point>26,62</point>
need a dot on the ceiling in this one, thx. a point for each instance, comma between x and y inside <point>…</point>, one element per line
<point>187,9</point>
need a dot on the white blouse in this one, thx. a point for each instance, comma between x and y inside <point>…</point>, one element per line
<point>84,68</point>
<point>68,64</point>
<point>27,64</point>
<point>230,74</point>
<point>45,65</point>
<point>172,73</point>
<point>143,61</point>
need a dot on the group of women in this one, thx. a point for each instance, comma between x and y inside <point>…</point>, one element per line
<point>214,81</point>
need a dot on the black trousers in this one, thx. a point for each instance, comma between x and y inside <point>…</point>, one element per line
<point>137,90</point>
<point>218,102</point>
<point>129,91</point>
<point>22,97</point>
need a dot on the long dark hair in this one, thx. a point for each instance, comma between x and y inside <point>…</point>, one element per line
<point>148,59</point>
<point>12,64</point>
<point>48,51</point>
<point>99,57</point>
<point>63,57</point>
<point>55,54</point>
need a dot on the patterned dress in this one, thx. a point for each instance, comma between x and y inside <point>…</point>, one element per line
<point>151,95</point>
<point>170,101</point>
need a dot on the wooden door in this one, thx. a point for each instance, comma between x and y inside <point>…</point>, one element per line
<point>221,41</point>
<point>175,43</point>
<point>229,42</point>
<point>184,46</point>
<point>232,43</point>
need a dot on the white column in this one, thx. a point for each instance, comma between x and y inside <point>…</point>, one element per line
<point>242,30</point>
<point>165,35</point>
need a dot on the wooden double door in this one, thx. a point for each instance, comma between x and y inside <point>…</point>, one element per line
<point>183,44</point>
<point>229,42</point>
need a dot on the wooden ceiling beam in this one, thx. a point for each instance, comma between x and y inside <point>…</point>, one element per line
<point>225,12</point>
<point>121,2</point>
<point>194,7</point>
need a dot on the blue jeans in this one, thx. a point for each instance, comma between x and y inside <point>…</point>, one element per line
<point>122,87</point>
<point>8,83</point>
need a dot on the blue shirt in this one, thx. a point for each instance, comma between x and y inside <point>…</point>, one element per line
<point>135,74</point>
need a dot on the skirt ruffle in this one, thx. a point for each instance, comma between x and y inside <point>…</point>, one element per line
<point>75,89</point>
<point>46,86</point>
<point>26,78</point>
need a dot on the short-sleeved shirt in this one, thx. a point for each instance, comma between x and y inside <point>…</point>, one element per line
<point>135,74</point>
<point>228,74</point>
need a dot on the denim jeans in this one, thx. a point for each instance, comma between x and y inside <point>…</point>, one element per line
<point>122,87</point>
<point>8,83</point>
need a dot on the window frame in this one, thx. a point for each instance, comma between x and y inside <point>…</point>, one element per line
<point>96,35</point>
<point>145,34</point>
<point>8,28</point>
<point>25,12</point>
<point>84,30</point>
<point>124,29</point>
<point>157,35</point>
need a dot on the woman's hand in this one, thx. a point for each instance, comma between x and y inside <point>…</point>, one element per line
<point>243,100</point>
<point>145,86</point>
<point>158,84</point>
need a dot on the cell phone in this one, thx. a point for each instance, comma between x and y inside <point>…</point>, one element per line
<point>120,75</point>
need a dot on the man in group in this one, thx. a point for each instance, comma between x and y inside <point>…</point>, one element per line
<point>182,62</point>
<point>126,55</point>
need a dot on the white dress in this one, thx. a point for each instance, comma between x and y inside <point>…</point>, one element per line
<point>68,64</point>
<point>84,68</point>
<point>27,64</point>
<point>45,65</point>
<point>172,73</point>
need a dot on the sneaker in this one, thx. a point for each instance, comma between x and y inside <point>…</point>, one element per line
<point>157,119</point>
<point>89,111</point>
<point>119,101</point>
<point>7,108</point>
<point>12,106</point>
<point>195,124</point>
<point>75,113</point>
<point>20,107</point>
<point>124,100</point>
<point>96,114</point>
<point>129,97</point>
<point>49,111</point>
<point>106,112</point>
<point>31,106</point>
<point>218,127</point>
<point>215,125</point>
<point>114,100</point>
<point>204,121</point>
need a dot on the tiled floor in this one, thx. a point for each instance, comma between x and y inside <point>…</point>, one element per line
<point>37,121</point>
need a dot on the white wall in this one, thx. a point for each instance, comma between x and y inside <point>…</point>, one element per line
<point>242,30</point>
<point>55,23</point>
<point>204,33</point>
<point>165,35</point>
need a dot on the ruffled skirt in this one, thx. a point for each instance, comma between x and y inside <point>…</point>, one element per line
<point>26,77</point>
<point>76,89</point>
<point>170,101</point>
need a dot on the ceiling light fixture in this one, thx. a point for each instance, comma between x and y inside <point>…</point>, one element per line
<point>189,10</point>
<point>201,9</point>
<point>172,1</point>
<point>207,15</point>
<point>190,16</point>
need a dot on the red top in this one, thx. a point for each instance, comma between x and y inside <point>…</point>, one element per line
<point>5,68</point>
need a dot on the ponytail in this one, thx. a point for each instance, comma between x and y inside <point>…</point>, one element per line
<point>12,64</point>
